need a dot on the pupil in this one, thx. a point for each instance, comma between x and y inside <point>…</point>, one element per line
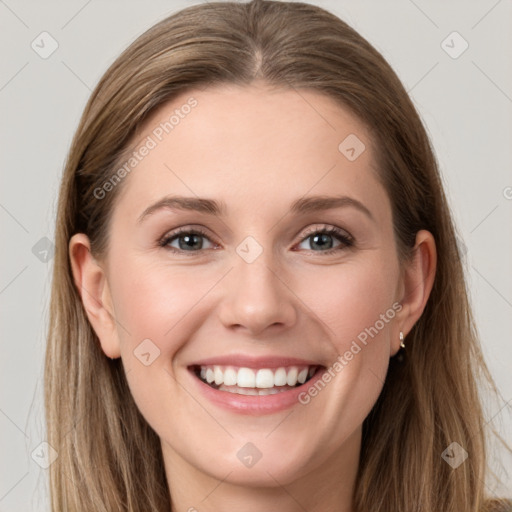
<point>322,237</point>
<point>189,241</point>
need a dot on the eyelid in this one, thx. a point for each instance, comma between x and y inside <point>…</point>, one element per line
<point>346,240</point>
<point>201,231</point>
<point>192,228</point>
<point>326,227</point>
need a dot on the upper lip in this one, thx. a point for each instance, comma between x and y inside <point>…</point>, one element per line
<point>246,361</point>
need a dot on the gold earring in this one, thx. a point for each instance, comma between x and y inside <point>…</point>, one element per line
<point>402,344</point>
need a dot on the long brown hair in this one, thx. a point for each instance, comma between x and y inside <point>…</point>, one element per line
<point>109,458</point>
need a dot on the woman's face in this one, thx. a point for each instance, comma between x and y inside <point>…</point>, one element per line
<point>260,297</point>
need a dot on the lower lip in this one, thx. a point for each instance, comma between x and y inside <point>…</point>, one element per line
<point>252,404</point>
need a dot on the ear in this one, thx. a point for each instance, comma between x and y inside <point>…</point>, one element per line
<point>417,282</point>
<point>92,284</point>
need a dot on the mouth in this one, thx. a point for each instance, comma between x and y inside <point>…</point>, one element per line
<point>254,381</point>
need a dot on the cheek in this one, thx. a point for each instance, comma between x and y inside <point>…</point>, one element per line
<point>152,300</point>
<point>158,307</point>
<point>354,302</point>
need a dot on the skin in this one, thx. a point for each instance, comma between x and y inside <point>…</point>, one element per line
<point>258,150</point>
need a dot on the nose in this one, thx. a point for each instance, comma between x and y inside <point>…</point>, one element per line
<point>257,298</point>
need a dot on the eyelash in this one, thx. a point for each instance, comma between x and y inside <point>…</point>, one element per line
<point>345,239</point>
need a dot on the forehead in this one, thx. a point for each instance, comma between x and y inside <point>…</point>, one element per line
<point>251,147</point>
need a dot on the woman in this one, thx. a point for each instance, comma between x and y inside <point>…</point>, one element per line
<point>258,297</point>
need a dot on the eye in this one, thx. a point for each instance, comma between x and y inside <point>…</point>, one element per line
<point>322,238</point>
<point>189,240</point>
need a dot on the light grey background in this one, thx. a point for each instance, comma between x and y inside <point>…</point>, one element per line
<point>465,102</point>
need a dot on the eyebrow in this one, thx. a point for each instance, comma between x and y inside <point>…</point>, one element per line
<point>211,207</point>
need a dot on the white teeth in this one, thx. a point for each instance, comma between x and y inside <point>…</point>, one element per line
<point>291,378</point>
<point>252,391</point>
<point>271,391</point>
<point>263,379</point>
<point>230,377</point>
<point>246,378</point>
<point>303,375</point>
<point>280,377</point>
<point>219,375</point>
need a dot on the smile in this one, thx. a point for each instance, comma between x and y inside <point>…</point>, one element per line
<point>251,385</point>
<point>252,381</point>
